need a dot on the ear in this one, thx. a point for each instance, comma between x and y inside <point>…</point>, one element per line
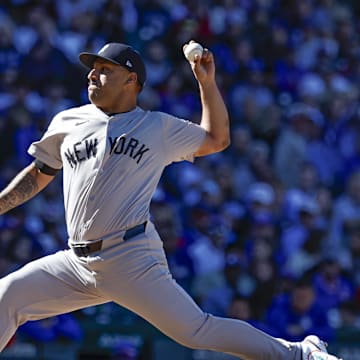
<point>131,78</point>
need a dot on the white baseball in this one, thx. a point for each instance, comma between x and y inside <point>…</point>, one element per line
<point>192,50</point>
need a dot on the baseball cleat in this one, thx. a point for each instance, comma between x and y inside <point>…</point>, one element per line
<point>315,349</point>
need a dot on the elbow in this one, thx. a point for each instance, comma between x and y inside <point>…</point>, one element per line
<point>226,139</point>
<point>223,140</point>
<point>222,145</point>
<point>212,147</point>
<point>226,143</point>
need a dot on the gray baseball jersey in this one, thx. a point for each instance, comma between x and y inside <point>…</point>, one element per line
<point>112,163</point>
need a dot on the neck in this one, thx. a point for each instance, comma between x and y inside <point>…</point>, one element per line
<point>117,105</point>
<point>113,111</point>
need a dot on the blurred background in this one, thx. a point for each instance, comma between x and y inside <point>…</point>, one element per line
<point>267,231</point>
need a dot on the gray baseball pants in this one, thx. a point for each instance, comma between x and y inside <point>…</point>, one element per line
<point>135,275</point>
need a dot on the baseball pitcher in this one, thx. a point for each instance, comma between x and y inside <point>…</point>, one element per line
<point>112,154</point>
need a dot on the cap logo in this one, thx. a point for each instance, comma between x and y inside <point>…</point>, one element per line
<point>128,63</point>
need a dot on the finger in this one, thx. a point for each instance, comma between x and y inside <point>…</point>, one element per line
<point>197,58</point>
<point>207,54</point>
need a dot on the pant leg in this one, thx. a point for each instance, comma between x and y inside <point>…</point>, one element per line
<point>135,275</point>
<point>52,285</point>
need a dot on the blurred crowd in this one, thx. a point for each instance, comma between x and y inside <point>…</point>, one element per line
<point>267,231</point>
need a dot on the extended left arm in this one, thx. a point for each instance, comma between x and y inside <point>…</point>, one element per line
<point>215,118</point>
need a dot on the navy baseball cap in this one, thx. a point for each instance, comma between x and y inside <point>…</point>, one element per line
<point>120,54</point>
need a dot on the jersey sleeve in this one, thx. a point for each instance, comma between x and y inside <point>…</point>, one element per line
<point>47,149</point>
<point>182,138</point>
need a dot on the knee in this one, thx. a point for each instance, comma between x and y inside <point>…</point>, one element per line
<point>9,300</point>
<point>195,337</point>
<point>5,292</point>
<point>194,343</point>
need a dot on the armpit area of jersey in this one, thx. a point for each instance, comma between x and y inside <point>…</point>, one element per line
<point>45,169</point>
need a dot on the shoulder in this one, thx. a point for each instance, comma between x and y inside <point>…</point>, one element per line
<point>77,111</point>
<point>71,114</point>
<point>169,120</point>
<point>160,115</point>
<point>157,119</point>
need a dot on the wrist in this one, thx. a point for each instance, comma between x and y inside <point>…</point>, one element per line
<point>208,85</point>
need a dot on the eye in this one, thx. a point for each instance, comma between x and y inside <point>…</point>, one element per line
<point>101,69</point>
<point>106,69</point>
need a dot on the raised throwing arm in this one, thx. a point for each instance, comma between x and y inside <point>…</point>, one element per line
<point>23,187</point>
<point>215,118</point>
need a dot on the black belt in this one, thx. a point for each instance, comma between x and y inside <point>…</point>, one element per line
<point>87,249</point>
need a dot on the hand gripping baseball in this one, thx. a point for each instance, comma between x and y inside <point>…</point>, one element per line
<point>201,61</point>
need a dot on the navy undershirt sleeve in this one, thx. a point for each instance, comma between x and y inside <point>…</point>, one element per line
<point>45,169</point>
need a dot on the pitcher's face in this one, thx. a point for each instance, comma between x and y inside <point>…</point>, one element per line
<point>108,84</point>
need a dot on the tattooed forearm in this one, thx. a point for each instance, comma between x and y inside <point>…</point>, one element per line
<point>23,187</point>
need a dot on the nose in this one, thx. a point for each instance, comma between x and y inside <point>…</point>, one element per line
<point>93,74</point>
